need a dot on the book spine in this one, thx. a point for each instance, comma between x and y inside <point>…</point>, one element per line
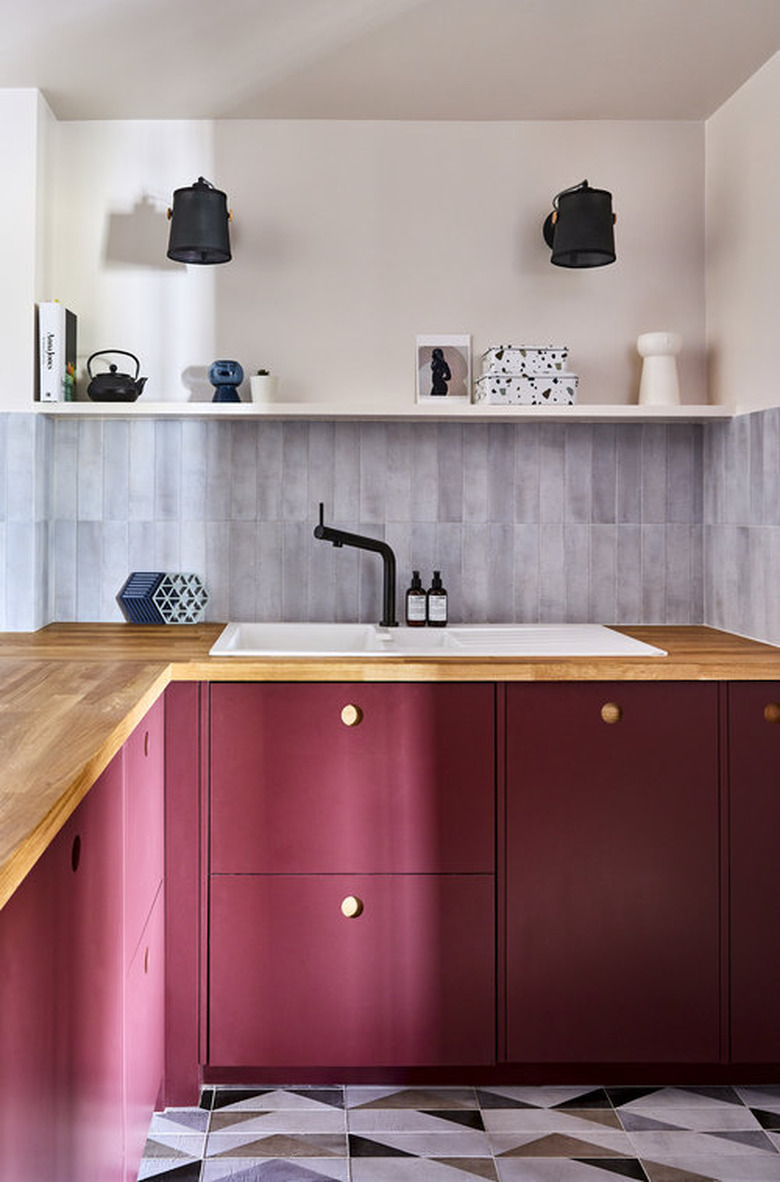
<point>51,350</point>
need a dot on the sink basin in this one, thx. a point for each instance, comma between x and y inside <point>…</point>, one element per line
<point>459,640</point>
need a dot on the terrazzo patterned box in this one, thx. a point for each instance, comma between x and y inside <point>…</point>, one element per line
<point>527,389</point>
<point>525,359</point>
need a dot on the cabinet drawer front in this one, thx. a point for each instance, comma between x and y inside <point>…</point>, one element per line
<point>144,756</point>
<point>613,873</point>
<point>403,782</point>
<point>296,980</point>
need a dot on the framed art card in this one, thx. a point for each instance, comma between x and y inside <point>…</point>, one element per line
<point>444,368</point>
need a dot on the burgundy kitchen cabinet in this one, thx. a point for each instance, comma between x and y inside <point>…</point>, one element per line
<point>144,797</point>
<point>612,873</point>
<point>754,825</point>
<point>406,788</point>
<point>324,792</point>
<point>144,1036</point>
<point>408,981</point>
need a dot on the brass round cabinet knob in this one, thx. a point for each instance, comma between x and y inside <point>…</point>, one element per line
<point>351,715</point>
<point>772,712</point>
<point>611,712</point>
<point>351,907</point>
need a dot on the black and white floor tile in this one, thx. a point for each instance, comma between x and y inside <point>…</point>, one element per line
<point>498,1134</point>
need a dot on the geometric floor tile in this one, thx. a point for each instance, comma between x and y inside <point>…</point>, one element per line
<point>335,1133</point>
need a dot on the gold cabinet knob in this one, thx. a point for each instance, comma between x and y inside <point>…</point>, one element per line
<point>351,907</point>
<point>611,712</point>
<point>772,712</point>
<point>351,715</point>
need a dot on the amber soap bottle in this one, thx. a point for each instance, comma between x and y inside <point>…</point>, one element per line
<point>437,602</point>
<point>416,602</point>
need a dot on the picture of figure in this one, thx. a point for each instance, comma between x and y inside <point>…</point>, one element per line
<point>440,372</point>
<point>443,369</point>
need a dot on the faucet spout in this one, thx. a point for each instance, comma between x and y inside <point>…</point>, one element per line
<point>341,537</point>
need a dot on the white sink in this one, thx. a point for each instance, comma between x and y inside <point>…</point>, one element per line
<point>464,640</point>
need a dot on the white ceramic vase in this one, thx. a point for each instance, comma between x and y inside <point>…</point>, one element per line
<point>263,387</point>
<point>659,385</point>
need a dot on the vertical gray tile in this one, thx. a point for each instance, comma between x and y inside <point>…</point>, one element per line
<point>243,570</point>
<point>738,472</point>
<point>654,473</point>
<point>576,541</point>
<point>4,418</point>
<point>269,472</point>
<point>678,574</point>
<point>526,574</point>
<point>449,560</point>
<point>141,470</point>
<point>683,475</point>
<point>20,468</point>
<point>449,467</point>
<point>696,608</point>
<point>167,549</point>
<point>4,615</point>
<point>192,547</point>
<point>219,449</point>
<point>551,473</point>
<point>295,574</point>
<point>296,504</point>
<point>167,477</point>
<point>44,465</point>
<point>629,575</point>
<point>270,543</point>
<point>194,453</point>
<point>90,470</point>
<point>65,504</point>
<point>422,548</point>
<point>398,473</point>
<point>322,469</point>
<point>116,457</point>
<point>653,574</point>
<point>501,473</point>
<point>20,576</point>
<point>756,474</point>
<point>63,557</point>
<point>552,574</point>
<point>373,471</point>
<point>346,497</point>
<point>475,473</point>
<point>218,574</point>
<point>604,475</point>
<point>499,602</point>
<point>347,589</point>
<point>475,586</point>
<point>89,556</point>
<point>321,581</point>
<point>140,546</point>
<point>526,438</point>
<point>113,571</point>
<point>243,472</point>
<point>578,470</point>
<point>369,588</point>
<point>770,445</point>
<point>424,475</point>
<point>628,440</point>
<point>602,607</point>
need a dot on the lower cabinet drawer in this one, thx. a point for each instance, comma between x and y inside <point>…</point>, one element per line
<point>352,970</point>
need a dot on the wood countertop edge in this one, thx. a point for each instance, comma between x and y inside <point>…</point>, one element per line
<point>702,654</point>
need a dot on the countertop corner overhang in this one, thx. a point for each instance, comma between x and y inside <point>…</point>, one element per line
<point>71,694</point>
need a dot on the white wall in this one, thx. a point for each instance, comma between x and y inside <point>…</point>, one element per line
<point>743,247</point>
<point>351,238</point>
<point>25,123</point>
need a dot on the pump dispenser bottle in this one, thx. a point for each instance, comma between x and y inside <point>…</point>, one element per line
<point>437,602</point>
<point>416,602</point>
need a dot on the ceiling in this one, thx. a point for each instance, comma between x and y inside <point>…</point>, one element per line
<point>386,59</point>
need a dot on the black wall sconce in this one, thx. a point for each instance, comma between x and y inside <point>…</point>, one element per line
<point>199,225</point>
<point>580,230</point>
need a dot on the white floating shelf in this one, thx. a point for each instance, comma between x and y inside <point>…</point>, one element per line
<point>455,412</point>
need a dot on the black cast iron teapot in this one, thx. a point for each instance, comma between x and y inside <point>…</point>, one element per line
<point>113,386</point>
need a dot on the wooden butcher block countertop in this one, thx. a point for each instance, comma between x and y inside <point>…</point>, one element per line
<point>71,694</point>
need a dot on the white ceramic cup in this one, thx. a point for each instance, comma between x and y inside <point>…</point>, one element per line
<point>263,387</point>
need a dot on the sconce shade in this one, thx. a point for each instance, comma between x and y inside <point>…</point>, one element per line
<point>580,230</point>
<point>199,225</point>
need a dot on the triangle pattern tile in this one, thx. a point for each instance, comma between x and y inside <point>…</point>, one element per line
<point>365,1147</point>
<point>656,1172</point>
<point>155,1148</point>
<point>559,1145</point>
<point>624,1167</point>
<point>469,1117</point>
<point>422,1100</point>
<point>333,1097</point>
<point>621,1096</point>
<point>224,1097</point>
<point>288,1145</point>
<point>475,1167</point>
<point>725,1095</point>
<point>489,1099</point>
<point>752,1137</point>
<point>636,1122</point>
<point>767,1120</point>
<point>277,1171</point>
<point>189,1172</point>
<point>606,1118</point>
<point>597,1098</point>
<point>228,1119</point>
<point>193,1119</point>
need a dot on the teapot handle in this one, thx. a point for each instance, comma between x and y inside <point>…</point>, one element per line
<point>124,353</point>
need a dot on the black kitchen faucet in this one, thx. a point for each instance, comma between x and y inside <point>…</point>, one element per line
<point>341,537</point>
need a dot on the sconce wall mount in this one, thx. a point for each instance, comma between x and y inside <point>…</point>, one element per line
<point>580,229</point>
<point>199,225</point>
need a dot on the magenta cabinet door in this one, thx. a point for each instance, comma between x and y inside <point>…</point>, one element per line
<point>754,764</point>
<point>90,996</point>
<point>408,788</point>
<point>144,755</point>
<point>29,1017</point>
<point>612,873</point>
<point>294,982</point>
<point>144,1044</point>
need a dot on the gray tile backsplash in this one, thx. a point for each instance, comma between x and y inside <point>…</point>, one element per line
<point>650,523</point>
